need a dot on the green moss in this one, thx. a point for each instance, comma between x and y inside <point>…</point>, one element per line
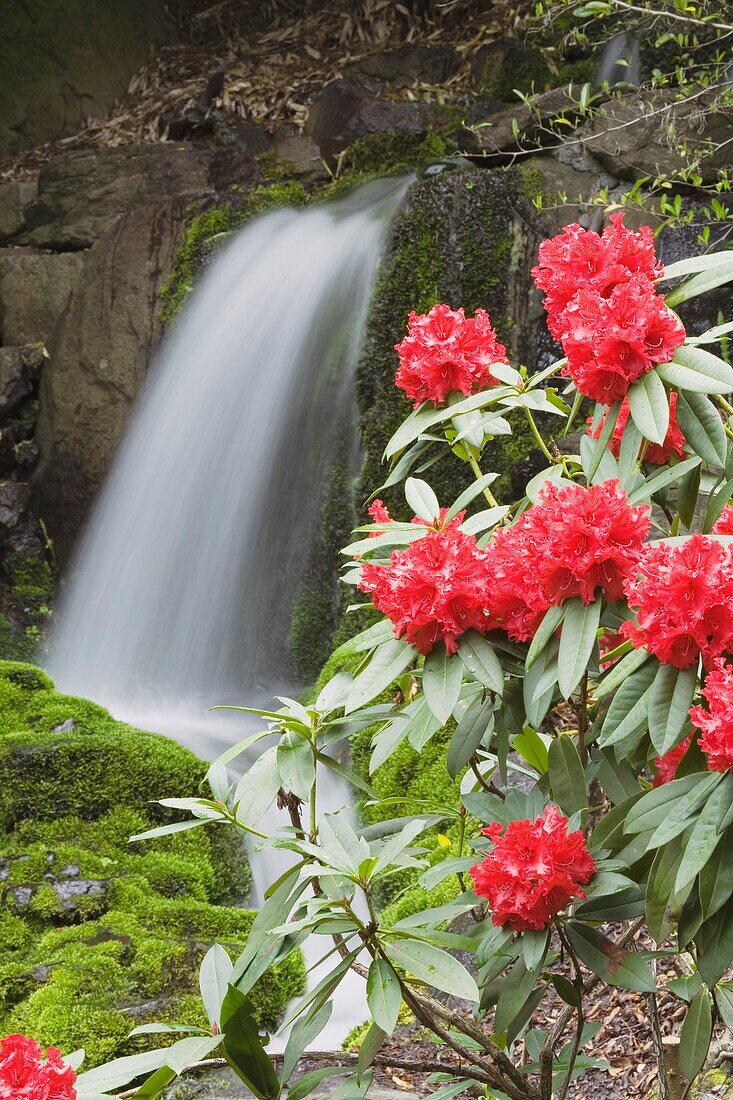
<point>511,66</point>
<point>29,575</point>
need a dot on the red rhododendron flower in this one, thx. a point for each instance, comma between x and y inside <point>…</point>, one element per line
<point>602,305</point>
<point>724,524</point>
<point>607,643</point>
<point>433,590</point>
<point>533,871</point>
<point>654,453</point>
<point>446,352</point>
<point>716,721</point>
<point>518,599</point>
<point>668,764</point>
<point>24,1075</point>
<point>683,597</point>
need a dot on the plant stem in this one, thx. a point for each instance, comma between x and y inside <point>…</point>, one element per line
<point>491,499</point>
<point>725,405</point>
<point>538,438</point>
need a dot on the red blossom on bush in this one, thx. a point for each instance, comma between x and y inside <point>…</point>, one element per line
<point>683,598</point>
<point>716,721</point>
<point>724,523</point>
<point>25,1075</point>
<point>668,764</point>
<point>654,453</point>
<point>603,307</point>
<point>517,598</point>
<point>433,590</point>
<point>446,352</point>
<point>533,871</point>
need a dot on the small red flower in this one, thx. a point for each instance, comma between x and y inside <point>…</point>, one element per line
<point>668,764</point>
<point>716,721</point>
<point>683,598</point>
<point>433,590</point>
<point>724,523</point>
<point>654,453</point>
<point>446,352</point>
<point>517,598</point>
<point>533,871</point>
<point>24,1075</point>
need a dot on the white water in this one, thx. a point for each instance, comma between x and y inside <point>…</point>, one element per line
<point>181,593</point>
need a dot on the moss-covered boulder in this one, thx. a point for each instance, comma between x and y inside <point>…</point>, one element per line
<point>98,935</point>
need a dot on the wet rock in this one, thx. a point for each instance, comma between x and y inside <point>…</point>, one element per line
<point>507,64</point>
<point>26,453</point>
<point>348,109</point>
<point>15,497</point>
<point>82,193</point>
<point>15,195</point>
<point>73,893</point>
<point>500,134</point>
<point>99,356</point>
<point>424,64</point>
<point>297,155</point>
<point>15,383</point>
<point>35,288</point>
<point>652,135</point>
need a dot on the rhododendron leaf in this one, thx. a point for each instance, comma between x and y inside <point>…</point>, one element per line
<point>532,747</point>
<point>302,1035</point>
<point>597,448</point>
<point>388,539</point>
<point>714,940</point>
<point>470,427</point>
<point>507,374</point>
<point>368,639</point>
<point>295,765</point>
<point>168,830</point>
<point>629,707</point>
<point>422,499</point>
<point>654,807</point>
<point>692,264</point>
<point>534,948</point>
<point>479,658</point>
<point>567,777</point>
<point>716,504</point>
<point>341,844</point>
<point>516,988</point>
<point>660,884</point>
<point>427,415</point>
<point>386,741</point>
<point>684,808</point>
<point>612,963</point>
<point>717,274</point>
<point>711,335</point>
<point>702,427</point>
<point>649,407</point>
<point>243,1047</point>
<point>389,661</point>
<point>476,722</point>
<point>602,463</point>
<point>442,677</point>
<point>716,880</point>
<point>615,776</point>
<point>577,639</point>
<point>154,1085</point>
<point>551,621</point>
<point>483,521</point>
<point>609,832</point>
<point>628,470</point>
<point>688,493</point>
<point>538,688</point>
<point>215,974</point>
<point>257,789</point>
<point>534,486</point>
<point>669,703</point>
<point>724,1001</point>
<point>470,494</point>
<point>443,870</point>
<point>621,671</point>
<point>566,990</point>
<point>433,966</point>
<point>706,834</point>
<point>384,995</point>
<point>609,908</point>
<point>695,369</point>
<point>695,1036</point>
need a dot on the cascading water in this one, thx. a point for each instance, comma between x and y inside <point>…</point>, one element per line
<point>182,591</point>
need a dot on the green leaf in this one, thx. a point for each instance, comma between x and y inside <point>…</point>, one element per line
<point>684,809</point>
<point>567,777</point>
<point>702,427</point>
<point>214,977</point>
<point>154,1085</point>
<point>662,479</point>
<point>479,658</point>
<point>611,908</point>
<point>613,964</point>
<point>433,966</point>
<point>441,682</point>
<point>629,708</point>
<point>534,948</point>
<point>622,671</point>
<point>477,720</point>
<point>168,830</point>
<point>470,494</point>
<point>599,447</point>
<point>715,275</point>
<point>257,789</point>
<point>303,1032</point>
<point>577,639</point>
<point>296,765</point>
<point>716,881</point>
<point>706,833</point>
<point>670,699</point>
<point>551,621</point>
<point>655,806</point>
<point>532,748</point>
<point>697,1031</point>
<point>566,990</point>
<point>714,941</point>
<point>422,499</point>
<point>695,369</point>
<point>649,406</point>
<point>538,687</point>
<point>388,662</point>
<point>243,1047</point>
<point>515,989</point>
<point>384,995</point>
<point>310,1081</point>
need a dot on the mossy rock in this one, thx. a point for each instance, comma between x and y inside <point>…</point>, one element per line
<point>126,948</point>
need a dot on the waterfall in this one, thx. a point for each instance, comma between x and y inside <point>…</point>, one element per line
<point>182,590</point>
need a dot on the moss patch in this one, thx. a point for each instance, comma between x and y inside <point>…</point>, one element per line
<point>98,935</point>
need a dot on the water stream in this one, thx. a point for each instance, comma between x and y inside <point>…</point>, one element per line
<point>181,593</point>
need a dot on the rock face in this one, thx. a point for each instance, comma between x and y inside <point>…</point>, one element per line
<point>35,288</point>
<point>348,109</point>
<point>98,360</point>
<point>15,196</point>
<point>80,193</point>
<point>64,60</point>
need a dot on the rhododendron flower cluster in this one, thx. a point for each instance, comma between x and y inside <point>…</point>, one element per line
<point>26,1075</point>
<point>572,542</point>
<point>602,306</point>
<point>683,599</point>
<point>716,721</point>
<point>446,352</point>
<point>533,871</point>
<point>668,764</point>
<point>654,453</point>
<point>433,590</point>
<point>724,524</point>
